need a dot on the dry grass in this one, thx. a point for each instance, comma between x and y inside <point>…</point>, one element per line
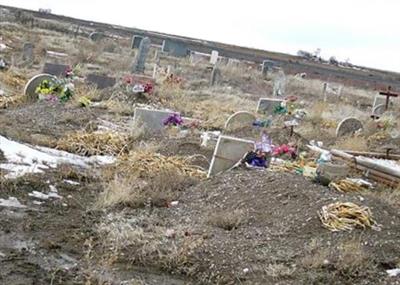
<point>95,143</point>
<point>134,192</point>
<point>279,270</point>
<point>166,248</point>
<point>212,108</point>
<point>355,143</point>
<point>146,164</point>
<point>227,220</point>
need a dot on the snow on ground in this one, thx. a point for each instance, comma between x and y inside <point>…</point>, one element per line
<point>23,158</point>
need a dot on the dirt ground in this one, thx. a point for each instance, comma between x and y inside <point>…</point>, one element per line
<point>240,227</point>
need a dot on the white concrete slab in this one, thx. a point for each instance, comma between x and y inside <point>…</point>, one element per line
<point>151,119</point>
<point>227,153</point>
<point>268,105</point>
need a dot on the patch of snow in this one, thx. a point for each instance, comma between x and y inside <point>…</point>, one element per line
<point>393,272</point>
<point>39,195</point>
<point>23,158</point>
<point>11,202</point>
<point>71,182</point>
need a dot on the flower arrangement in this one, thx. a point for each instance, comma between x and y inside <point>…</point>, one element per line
<point>58,89</point>
<point>173,120</point>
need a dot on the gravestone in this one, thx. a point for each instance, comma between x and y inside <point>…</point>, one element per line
<point>215,76</point>
<point>267,66</point>
<point>101,81</point>
<point>228,152</point>
<point>268,105</point>
<point>331,88</point>
<point>96,36</point>
<point>152,120</point>
<point>348,126</point>
<point>279,84</point>
<point>33,83</point>
<point>27,52</point>
<point>140,59</point>
<point>175,48</point>
<point>136,40</point>
<point>378,110</point>
<point>214,57</point>
<point>239,120</point>
<point>55,69</point>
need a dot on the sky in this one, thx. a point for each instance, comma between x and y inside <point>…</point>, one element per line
<point>366,32</point>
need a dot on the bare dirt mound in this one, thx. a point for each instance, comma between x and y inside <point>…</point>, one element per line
<point>263,227</point>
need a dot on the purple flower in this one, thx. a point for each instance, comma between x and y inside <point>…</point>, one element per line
<point>173,120</point>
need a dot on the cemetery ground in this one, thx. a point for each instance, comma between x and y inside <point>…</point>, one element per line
<point>151,216</point>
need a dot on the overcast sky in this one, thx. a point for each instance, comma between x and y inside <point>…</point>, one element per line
<point>365,31</point>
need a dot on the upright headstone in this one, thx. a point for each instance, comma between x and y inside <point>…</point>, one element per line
<point>175,48</point>
<point>33,83</point>
<point>239,120</point>
<point>228,152</point>
<point>96,36</point>
<point>152,120</point>
<point>214,57</point>
<point>267,106</point>
<point>378,110</point>
<point>27,52</point>
<point>331,88</point>
<point>101,81</point>
<point>139,63</point>
<point>348,126</point>
<point>136,40</point>
<point>215,76</point>
<point>55,69</point>
<point>267,66</point>
<point>279,84</point>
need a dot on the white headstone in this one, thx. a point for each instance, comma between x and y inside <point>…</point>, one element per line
<point>228,152</point>
<point>214,57</point>
<point>240,119</point>
<point>348,126</point>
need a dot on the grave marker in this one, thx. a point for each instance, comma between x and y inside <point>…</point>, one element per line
<point>140,59</point>
<point>228,152</point>
<point>152,120</point>
<point>331,88</point>
<point>279,84</point>
<point>175,48</point>
<point>33,83</point>
<point>136,40</point>
<point>215,76</point>
<point>96,36</point>
<point>378,110</point>
<point>27,52</point>
<point>214,57</point>
<point>267,66</point>
<point>240,119</point>
<point>348,126</point>
<point>101,81</point>
<point>267,106</point>
<point>55,69</point>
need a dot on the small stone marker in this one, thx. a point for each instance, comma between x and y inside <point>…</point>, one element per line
<point>331,88</point>
<point>27,52</point>
<point>279,84</point>
<point>268,105</point>
<point>175,48</point>
<point>55,69</point>
<point>332,172</point>
<point>267,66</point>
<point>214,57</point>
<point>136,40</point>
<point>228,152</point>
<point>378,110</point>
<point>33,83</point>
<point>140,59</point>
<point>239,120</point>
<point>348,126</point>
<point>96,36</point>
<point>215,76</point>
<point>152,120</point>
<point>101,81</point>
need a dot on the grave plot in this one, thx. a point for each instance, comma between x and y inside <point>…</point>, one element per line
<point>101,81</point>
